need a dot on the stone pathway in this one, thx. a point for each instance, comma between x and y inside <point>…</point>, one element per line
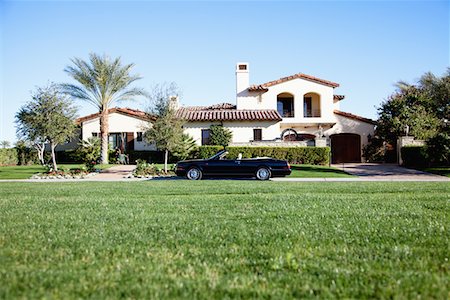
<point>114,173</point>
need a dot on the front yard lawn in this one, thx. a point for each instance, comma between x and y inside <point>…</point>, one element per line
<point>224,239</point>
<point>443,171</point>
<point>25,172</point>
<point>312,171</point>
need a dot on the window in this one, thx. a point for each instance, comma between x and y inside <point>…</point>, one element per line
<point>307,107</point>
<point>242,67</point>
<point>311,105</point>
<point>139,136</point>
<point>205,137</point>
<point>117,140</point>
<point>285,105</point>
<point>94,134</point>
<point>257,134</point>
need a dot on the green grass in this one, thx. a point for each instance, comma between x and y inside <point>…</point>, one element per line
<point>311,171</point>
<point>224,239</point>
<point>443,171</point>
<point>25,172</point>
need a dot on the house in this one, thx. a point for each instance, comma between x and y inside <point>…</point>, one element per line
<point>126,128</point>
<point>298,110</point>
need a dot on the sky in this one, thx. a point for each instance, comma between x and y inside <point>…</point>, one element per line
<point>365,46</point>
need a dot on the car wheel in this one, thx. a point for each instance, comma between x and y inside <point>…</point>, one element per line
<point>263,173</point>
<point>194,174</point>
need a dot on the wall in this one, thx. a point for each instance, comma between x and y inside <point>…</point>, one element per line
<point>297,87</point>
<point>242,131</point>
<point>347,125</point>
<point>406,141</point>
<point>119,123</point>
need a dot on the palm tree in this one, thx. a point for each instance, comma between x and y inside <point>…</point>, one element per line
<point>103,81</point>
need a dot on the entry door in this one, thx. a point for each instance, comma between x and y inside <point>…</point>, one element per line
<point>345,148</point>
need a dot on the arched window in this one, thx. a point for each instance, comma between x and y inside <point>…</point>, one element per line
<point>285,105</point>
<point>311,105</point>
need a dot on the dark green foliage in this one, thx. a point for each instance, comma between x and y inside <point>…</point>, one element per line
<point>220,135</point>
<point>425,108</point>
<point>297,155</point>
<point>206,151</point>
<point>69,156</point>
<point>185,147</point>
<point>438,149</point>
<point>8,157</point>
<point>25,155</point>
<point>414,156</point>
<point>148,156</point>
<point>224,240</point>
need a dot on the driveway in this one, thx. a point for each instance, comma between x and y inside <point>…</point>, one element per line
<point>382,172</point>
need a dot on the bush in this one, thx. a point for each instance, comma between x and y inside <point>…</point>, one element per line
<point>438,149</point>
<point>26,156</point>
<point>8,157</point>
<point>149,156</point>
<point>414,156</point>
<point>69,156</point>
<point>295,155</point>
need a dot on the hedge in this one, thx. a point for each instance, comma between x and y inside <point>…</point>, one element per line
<point>295,155</point>
<point>414,156</point>
<point>8,156</point>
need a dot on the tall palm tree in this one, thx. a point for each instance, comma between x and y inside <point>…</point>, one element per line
<point>102,82</point>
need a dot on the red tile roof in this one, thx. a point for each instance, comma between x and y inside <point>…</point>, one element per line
<point>264,86</point>
<point>354,117</point>
<point>226,112</point>
<point>124,111</point>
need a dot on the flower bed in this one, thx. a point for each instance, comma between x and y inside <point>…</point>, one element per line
<point>147,170</point>
<point>76,173</point>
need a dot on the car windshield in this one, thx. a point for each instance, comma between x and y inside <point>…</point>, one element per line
<point>219,155</point>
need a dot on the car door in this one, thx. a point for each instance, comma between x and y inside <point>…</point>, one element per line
<point>218,167</point>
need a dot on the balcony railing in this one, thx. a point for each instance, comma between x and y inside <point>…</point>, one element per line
<point>287,113</point>
<point>315,113</point>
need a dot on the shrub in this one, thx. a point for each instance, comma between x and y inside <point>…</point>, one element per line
<point>8,156</point>
<point>438,149</point>
<point>297,155</point>
<point>220,135</point>
<point>203,152</point>
<point>144,168</point>
<point>414,156</point>
<point>27,155</point>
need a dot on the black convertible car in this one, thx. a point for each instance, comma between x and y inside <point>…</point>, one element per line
<point>217,165</point>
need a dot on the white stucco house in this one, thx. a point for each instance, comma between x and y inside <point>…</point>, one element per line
<point>298,110</point>
<point>126,128</point>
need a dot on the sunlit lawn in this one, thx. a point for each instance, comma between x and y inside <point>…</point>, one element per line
<point>224,239</point>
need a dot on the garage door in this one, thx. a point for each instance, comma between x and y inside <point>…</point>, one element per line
<point>345,148</point>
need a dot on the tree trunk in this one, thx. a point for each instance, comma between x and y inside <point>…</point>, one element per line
<point>104,130</point>
<point>40,152</point>
<point>53,146</point>
<point>166,157</point>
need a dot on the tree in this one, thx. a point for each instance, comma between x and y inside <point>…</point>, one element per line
<point>220,135</point>
<point>102,82</point>
<point>421,110</point>
<point>185,147</point>
<point>5,144</point>
<point>48,118</point>
<point>167,131</point>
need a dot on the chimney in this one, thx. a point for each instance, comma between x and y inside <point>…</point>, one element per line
<point>173,102</point>
<point>242,78</point>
